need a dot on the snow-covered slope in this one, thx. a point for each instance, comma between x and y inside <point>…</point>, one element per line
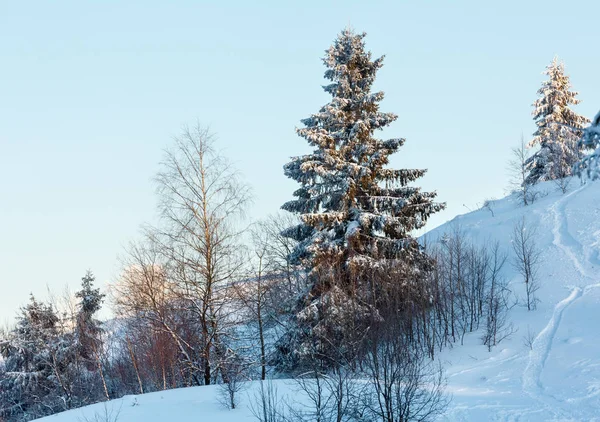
<point>557,379</point>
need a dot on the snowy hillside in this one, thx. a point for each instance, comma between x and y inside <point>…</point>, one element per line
<point>558,378</point>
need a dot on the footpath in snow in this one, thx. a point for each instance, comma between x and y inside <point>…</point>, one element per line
<point>558,378</point>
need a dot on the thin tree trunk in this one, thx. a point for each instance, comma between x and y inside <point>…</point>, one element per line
<point>101,372</point>
<point>135,366</point>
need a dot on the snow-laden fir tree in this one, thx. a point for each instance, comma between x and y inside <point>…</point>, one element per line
<point>52,359</point>
<point>89,329</point>
<point>558,128</point>
<point>37,359</point>
<point>590,164</point>
<point>356,214</point>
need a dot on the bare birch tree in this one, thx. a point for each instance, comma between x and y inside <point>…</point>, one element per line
<point>518,172</point>
<point>144,291</point>
<point>202,202</point>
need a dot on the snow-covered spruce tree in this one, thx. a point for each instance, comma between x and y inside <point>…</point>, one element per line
<point>89,329</point>
<point>37,362</point>
<point>590,164</point>
<point>356,214</point>
<point>558,128</point>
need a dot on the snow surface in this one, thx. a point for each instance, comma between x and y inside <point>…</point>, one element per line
<point>558,379</point>
<point>184,404</point>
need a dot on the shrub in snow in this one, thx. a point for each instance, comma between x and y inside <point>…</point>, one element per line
<point>590,164</point>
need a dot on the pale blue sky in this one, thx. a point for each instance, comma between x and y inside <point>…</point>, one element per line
<point>91,93</point>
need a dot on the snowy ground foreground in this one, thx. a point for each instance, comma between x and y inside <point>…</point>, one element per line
<point>181,405</point>
<point>558,380</point>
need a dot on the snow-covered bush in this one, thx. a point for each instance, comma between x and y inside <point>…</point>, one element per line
<point>590,164</point>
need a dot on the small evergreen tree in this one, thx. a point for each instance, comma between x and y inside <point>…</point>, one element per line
<point>89,329</point>
<point>558,128</point>
<point>37,360</point>
<point>356,213</point>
